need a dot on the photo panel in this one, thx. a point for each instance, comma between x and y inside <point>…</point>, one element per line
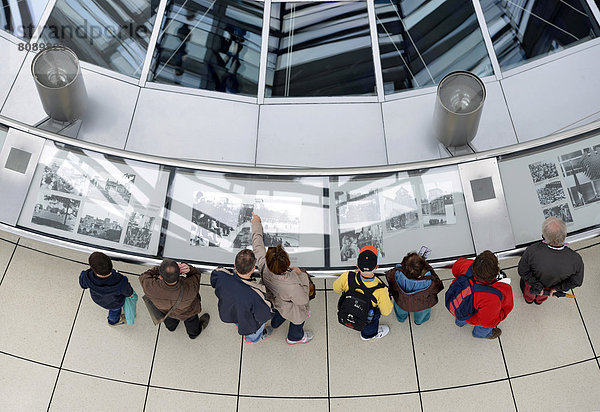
<point>581,171</point>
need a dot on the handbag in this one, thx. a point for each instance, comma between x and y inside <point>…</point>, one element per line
<point>155,314</point>
<point>129,308</point>
<point>312,290</point>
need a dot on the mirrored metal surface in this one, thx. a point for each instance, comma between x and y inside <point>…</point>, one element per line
<point>319,49</point>
<point>21,17</point>
<point>422,41</point>
<point>522,30</point>
<point>211,45</point>
<point>108,33</point>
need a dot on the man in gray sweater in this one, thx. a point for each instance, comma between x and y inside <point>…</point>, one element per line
<point>549,266</point>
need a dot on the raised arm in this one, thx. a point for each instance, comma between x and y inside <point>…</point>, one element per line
<point>258,244</point>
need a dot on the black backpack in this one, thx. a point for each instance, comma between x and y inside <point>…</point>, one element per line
<point>354,306</point>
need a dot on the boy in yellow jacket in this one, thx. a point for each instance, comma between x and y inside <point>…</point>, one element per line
<point>365,276</point>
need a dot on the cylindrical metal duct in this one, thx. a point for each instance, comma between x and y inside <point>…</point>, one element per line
<point>59,83</point>
<point>458,107</point>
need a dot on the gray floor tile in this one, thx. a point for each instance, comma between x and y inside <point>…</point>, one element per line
<point>6,251</point>
<point>24,385</point>
<point>43,293</point>
<point>76,392</point>
<point>278,405</point>
<point>8,236</point>
<point>490,397</point>
<point>160,400</point>
<point>12,60</point>
<point>587,294</point>
<point>393,403</point>
<point>273,360</point>
<point>394,350</point>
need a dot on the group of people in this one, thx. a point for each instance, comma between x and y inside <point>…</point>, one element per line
<point>480,295</point>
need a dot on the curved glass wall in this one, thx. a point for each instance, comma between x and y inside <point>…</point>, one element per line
<point>20,18</point>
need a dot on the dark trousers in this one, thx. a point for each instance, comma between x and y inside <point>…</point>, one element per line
<point>372,327</point>
<point>295,332</point>
<point>192,325</point>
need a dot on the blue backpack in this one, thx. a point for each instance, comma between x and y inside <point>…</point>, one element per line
<point>460,296</point>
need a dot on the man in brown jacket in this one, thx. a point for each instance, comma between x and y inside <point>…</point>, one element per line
<point>162,284</point>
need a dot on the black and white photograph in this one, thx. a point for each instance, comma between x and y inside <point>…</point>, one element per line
<point>400,208</point>
<point>114,189</point>
<point>357,209</point>
<point>437,204</point>
<point>59,212</point>
<point>280,218</point>
<point>581,170</point>
<point>139,230</point>
<point>550,192</point>
<point>561,211</point>
<point>62,176</point>
<point>100,221</point>
<point>352,241</point>
<point>543,170</point>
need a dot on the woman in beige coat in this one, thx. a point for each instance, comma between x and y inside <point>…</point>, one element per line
<point>287,288</point>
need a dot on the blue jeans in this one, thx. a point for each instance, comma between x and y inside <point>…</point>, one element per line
<point>295,332</point>
<point>478,331</point>
<point>421,316</point>
<point>255,337</point>
<point>372,328</point>
<point>113,316</point>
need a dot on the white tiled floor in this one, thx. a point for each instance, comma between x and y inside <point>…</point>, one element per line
<point>108,368</point>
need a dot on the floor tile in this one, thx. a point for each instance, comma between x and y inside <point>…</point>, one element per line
<point>587,294</point>
<point>438,344</point>
<point>574,388</point>
<point>76,392</point>
<point>121,352</point>
<point>6,251</point>
<point>8,236</point>
<point>43,293</point>
<point>24,385</point>
<point>585,243</point>
<point>393,403</point>
<point>488,397</point>
<point>271,361</point>
<point>279,405</point>
<point>394,350</point>
<point>12,60</point>
<point>55,250</point>
<point>554,325</point>
<point>209,363</point>
<point>160,400</point>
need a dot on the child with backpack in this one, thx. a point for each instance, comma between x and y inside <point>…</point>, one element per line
<point>414,286</point>
<point>480,295</point>
<point>364,297</point>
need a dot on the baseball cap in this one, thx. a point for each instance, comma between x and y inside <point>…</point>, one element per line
<point>367,258</point>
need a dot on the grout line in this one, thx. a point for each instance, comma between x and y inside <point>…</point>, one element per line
<point>66,349</point>
<point>151,367</point>
<point>29,360</point>
<point>237,403</point>
<point>586,329</point>
<point>91,375</point>
<point>412,341</point>
<point>524,375</point>
<point>9,262</point>
<point>12,85</point>
<point>137,99</point>
<point>507,374</point>
<point>327,354</point>
<point>512,122</point>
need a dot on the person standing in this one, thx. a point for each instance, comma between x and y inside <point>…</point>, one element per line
<point>287,288</point>
<point>549,266</point>
<point>242,299</point>
<point>162,285</point>
<point>108,288</point>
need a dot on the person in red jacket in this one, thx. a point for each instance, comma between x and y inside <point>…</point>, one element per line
<point>490,309</point>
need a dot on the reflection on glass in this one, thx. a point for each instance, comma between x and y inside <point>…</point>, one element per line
<point>319,49</point>
<point>210,45</point>
<point>525,29</point>
<point>422,41</point>
<point>21,17</point>
<point>108,33</point>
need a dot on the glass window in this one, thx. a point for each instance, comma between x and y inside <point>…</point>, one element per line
<point>210,45</point>
<point>108,33</point>
<point>525,29</point>
<point>320,49</point>
<point>422,41</point>
<point>21,17</point>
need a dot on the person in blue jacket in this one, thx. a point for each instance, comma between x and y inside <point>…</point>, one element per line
<point>242,298</point>
<point>108,288</point>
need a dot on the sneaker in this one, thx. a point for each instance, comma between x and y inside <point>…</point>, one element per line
<point>495,333</point>
<point>381,332</point>
<point>308,336</point>
<point>267,332</point>
<point>121,321</point>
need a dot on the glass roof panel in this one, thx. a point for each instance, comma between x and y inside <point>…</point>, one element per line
<point>21,17</point>
<point>422,41</point>
<point>522,30</point>
<point>108,33</point>
<point>210,45</point>
<point>319,49</point>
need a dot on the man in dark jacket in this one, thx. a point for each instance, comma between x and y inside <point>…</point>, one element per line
<point>242,298</point>
<point>549,266</point>
<point>108,288</point>
<point>162,285</point>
